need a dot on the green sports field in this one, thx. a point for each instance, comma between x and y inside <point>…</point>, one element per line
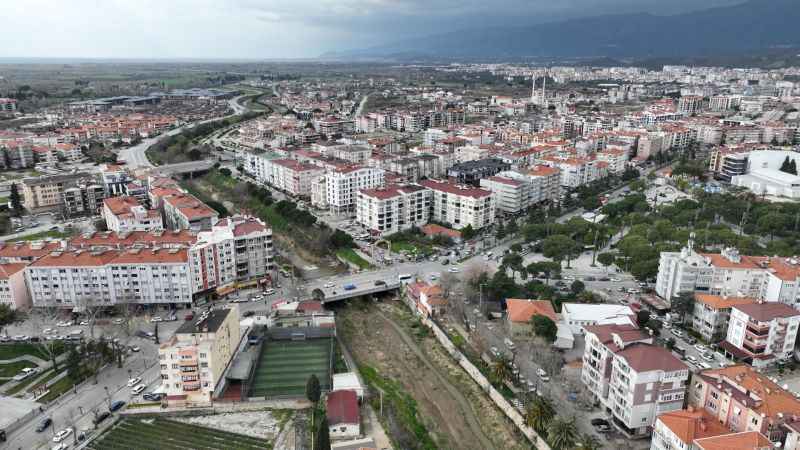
<point>163,434</point>
<point>284,367</point>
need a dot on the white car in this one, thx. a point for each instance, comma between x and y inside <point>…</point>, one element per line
<point>134,381</point>
<point>20,338</point>
<point>61,446</point>
<point>453,270</point>
<point>692,359</point>
<point>138,389</point>
<point>48,330</point>
<point>269,292</point>
<point>61,435</point>
<point>615,280</point>
<point>569,278</point>
<point>84,323</point>
<point>328,285</point>
<point>676,332</point>
<point>64,323</point>
<point>700,348</point>
<point>542,375</point>
<point>119,321</point>
<point>25,373</point>
<point>156,319</point>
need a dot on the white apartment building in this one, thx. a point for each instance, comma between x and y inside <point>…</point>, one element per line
<point>389,210</point>
<point>461,206</point>
<point>290,176</point>
<point>342,186</point>
<point>712,313</point>
<point>236,249</point>
<point>762,332</point>
<point>194,359</point>
<point>728,273</point>
<point>126,214</point>
<point>616,159</point>
<point>646,381</point>
<point>574,171</point>
<point>72,279</point>
<point>513,192</point>
<point>185,212</point>
<point>601,343</point>
<point>547,183</point>
<point>690,104</point>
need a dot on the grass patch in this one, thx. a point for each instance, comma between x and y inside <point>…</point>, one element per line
<point>403,405</point>
<point>59,387</point>
<point>24,383</point>
<point>50,234</point>
<point>350,255</point>
<point>11,351</point>
<point>10,370</point>
<point>50,375</point>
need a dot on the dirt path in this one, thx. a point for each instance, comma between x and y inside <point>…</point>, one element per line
<point>453,409</point>
<point>463,403</point>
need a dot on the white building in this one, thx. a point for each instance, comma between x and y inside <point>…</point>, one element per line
<point>13,290</point>
<point>344,418</point>
<point>513,192</point>
<point>579,315</point>
<point>73,279</point>
<point>547,184</point>
<point>342,186</point>
<point>185,212</point>
<point>389,210</point>
<point>194,359</point>
<point>125,214</point>
<point>290,176</point>
<point>461,206</point>
<point>762,332</point>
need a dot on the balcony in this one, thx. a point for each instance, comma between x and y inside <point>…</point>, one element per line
<point>757,328</point>
<point>191,386</point>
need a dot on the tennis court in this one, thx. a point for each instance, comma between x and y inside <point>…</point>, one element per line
<point>284,367</point>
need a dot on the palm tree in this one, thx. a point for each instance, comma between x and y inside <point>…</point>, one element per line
<point>562,433</point>
<point>539,413</point>
<point>589,442</point>
<point>501,369</point>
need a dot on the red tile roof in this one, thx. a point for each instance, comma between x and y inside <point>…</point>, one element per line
<point>747,440</point>
<point>692,424</point>
<point>148,238</point>
<point>342,407</point>
<point>521,310</point>
<point>450,188</point>
<point>645,358</point>
<point>767,311</point>
<point>7,270</point>
<point>433,229</point>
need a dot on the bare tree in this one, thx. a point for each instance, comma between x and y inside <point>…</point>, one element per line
<point>449,282</point>
<point>71,422</point>
<point>90,308</point>
<point>42,318</point>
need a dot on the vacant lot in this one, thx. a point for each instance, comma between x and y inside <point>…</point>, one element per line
<point>428,401</point>
<point>163,434</point>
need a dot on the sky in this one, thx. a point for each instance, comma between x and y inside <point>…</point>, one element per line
<point>272,29</point>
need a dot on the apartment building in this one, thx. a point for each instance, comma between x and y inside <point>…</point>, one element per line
<point>185,212</point>
<point>192,362</point>
<point>645,381</point>
<point>237,249</point>
<point>690,104</point>
<point>744,400</point>
<point>602,341</point>
<point>125,214</point>
<point>72,279</point>
<point>727,273</point>
<point>712,312</point>
<point>547,182</point>
<point>13,290</point>
<point>728,164</point>
<point>680,430</point>
<point>513,192</point>
<point>574,172</point>
<point>461,206</point>
<point>389,210</point>
<point>471,172</point>
<point>85,198</point>
<point>343,184</point>
<point>290,176</point>
<point>761,333</point>
<point>616,159</point>
<point>16,155</point>
<point>47,192</point>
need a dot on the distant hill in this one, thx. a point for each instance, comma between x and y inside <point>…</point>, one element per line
<point>748,27</point>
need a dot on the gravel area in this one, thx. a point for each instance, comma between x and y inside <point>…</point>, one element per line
<point>261,424</point>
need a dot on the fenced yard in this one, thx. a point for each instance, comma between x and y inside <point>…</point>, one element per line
<point>163,434</point>
<point>284,367</point>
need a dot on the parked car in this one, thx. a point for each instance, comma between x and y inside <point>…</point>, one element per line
<point>380,283</point>
<point>542,375</point>
<point>453,270</point>
<point>25,373</point>
<point>700,348</point>
<point>101,417</point>
<point>134,381</point>
<point>46,422</point>
<point>63,434</point>
<point>349,286</point>
<point>269,292</point>
<point>116,406</point>
<point>118,321</point>
<point>152,397</point>
<point>155,319</point>
<point>135,349</point>
<point>138,389</point>
<point>248,313</point>
<point>189,316</point>
<point>692,359</point>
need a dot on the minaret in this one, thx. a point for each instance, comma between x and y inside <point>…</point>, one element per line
<point>544,92</point>
<point>533,90</point>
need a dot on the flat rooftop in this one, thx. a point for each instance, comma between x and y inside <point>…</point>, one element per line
<point>208,325</point>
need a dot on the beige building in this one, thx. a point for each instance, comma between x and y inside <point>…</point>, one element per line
<point>194,359</point>
<point>13,290</point>
<point>461,206</point>
<point>46,192</point>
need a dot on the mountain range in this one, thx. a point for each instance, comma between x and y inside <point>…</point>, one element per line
<point>756,25</point>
